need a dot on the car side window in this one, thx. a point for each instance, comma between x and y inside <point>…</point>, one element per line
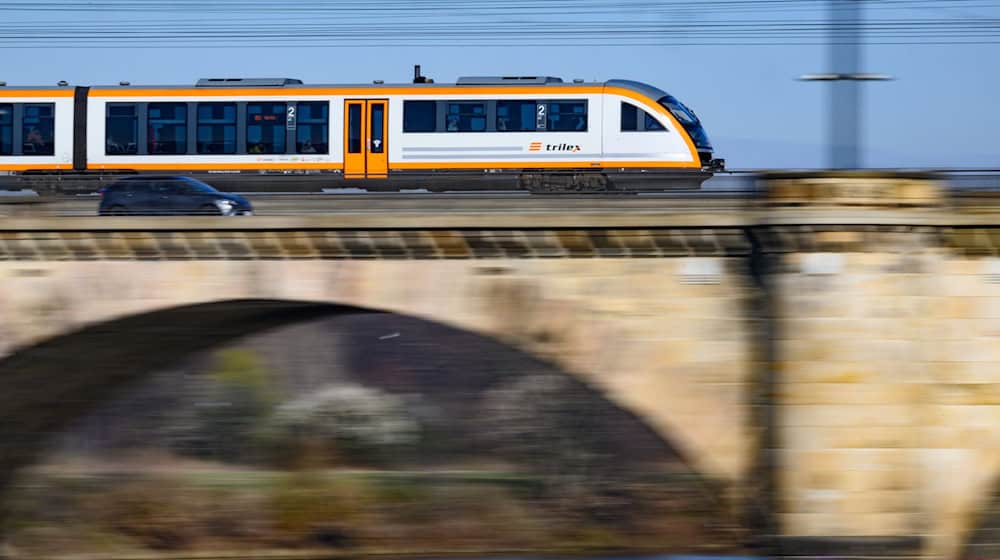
<point>134,186</point>
<point>180,187</point>
<point>161,187</point>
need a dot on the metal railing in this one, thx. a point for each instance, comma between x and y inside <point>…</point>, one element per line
<point>726,188</point>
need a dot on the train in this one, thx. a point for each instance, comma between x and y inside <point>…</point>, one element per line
<point>534,133</point>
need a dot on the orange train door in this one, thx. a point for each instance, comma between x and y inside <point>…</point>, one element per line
<point>366,128</point>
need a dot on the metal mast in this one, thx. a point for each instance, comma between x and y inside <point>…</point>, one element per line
<point>845,92</point>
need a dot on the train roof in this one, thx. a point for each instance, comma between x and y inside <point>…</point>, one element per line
<point>292,84</point>
<point>4,87</point>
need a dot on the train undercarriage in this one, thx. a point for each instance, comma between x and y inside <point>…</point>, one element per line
<point>533,181</point>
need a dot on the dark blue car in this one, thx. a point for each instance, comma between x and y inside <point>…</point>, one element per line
<point>178,195</point>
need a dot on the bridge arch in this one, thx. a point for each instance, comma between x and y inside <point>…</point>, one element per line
<point>46,386</point>
<point>662,338</point>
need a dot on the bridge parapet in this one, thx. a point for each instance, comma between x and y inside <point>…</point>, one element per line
<point>852,188</point>
<point>188,242</point>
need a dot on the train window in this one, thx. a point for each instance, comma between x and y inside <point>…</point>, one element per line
<point>38,129</point>
<point>688,120</point>
<point>680,111</point>
<point>216,128</point>
<point>266,128</point>
<point>377,128</point>
<point>313,132</point>
<point>354,128</point>
<point>419,116</point>
<point>6,129</point>
<point>167,124</point>
<point>466,117</point>
<point>516,116</point>
<point>630,117</point>
<point>566,116</point>
<point>650,122</point>
<point>121,129</point>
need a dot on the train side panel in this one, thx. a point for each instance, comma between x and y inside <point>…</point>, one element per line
<point>98,141</point>
<point>600,142</point>
<point>493,149</point>
<point>27,117</point>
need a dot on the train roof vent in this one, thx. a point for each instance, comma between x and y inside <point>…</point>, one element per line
<point>244,82</point>
<point>501,80</point>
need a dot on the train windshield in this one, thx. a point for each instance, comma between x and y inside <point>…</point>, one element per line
<point>689,121</point>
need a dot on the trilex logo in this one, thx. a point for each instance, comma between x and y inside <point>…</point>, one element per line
<point>540,147</point>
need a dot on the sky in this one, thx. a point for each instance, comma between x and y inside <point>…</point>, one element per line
<point>735,62</point>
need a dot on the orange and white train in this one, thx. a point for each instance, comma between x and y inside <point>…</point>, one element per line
<point>534,133</point>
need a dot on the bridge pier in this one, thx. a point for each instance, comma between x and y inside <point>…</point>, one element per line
<point>880,353</point>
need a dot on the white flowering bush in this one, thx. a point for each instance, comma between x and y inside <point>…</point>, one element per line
<point>342,423</point>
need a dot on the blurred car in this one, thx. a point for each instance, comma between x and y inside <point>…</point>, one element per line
<point>174,195</point>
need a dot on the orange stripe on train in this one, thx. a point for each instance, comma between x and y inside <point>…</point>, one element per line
<point>339,166</point>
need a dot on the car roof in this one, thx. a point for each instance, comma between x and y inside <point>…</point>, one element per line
<point>152,177</point>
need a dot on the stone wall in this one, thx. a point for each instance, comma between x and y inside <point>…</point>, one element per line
<point>887,374</point>
<point>829,353</point>
<point>665,338</point>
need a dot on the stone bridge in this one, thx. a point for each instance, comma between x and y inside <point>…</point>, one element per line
<point>827,351</point>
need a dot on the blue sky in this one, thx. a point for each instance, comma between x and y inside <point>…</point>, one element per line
<point>942,109</point>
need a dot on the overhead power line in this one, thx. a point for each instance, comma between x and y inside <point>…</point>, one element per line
<point>263,23</point>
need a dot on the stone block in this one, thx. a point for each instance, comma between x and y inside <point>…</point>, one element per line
<point>792,371</point>
<point>847,415</point>
<point>953,437</point>
<point>835,524</point>
<point>964,394</point>
<point>963,416</point>
<point>870,437</point>
<point>953,307</point>
<point>954,265</point>
<point>848,394</point>
<point>871,501</point>
<point>963,372</point>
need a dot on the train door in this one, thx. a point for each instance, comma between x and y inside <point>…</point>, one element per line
<point>366,127</point>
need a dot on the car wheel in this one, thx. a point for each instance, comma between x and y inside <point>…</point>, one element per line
<point>117,211</point>
<point>209,210</point>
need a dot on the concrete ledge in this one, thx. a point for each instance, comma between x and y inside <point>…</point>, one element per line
<point>327,244</point>
<point>860,188</point>
<point>413,220</point>
<point>844,548</point>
